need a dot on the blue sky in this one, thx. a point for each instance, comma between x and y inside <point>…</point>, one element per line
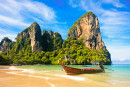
<point>59,16</point>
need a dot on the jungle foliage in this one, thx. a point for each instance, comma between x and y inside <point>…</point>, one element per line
<point>74,50</point>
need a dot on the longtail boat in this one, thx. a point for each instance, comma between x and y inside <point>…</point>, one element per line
<point>72,71</point>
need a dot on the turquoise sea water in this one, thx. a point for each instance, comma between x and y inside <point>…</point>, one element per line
<point>115,74</point>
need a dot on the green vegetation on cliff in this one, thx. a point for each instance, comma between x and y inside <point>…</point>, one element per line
<point>78,21</point>
<point>34,47</point>
<point>5,60</point>
<point>51,41</point>
<point>75,51</point>
<point>85,15</point>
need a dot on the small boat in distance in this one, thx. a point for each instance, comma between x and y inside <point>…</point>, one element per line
<point>72,71</point>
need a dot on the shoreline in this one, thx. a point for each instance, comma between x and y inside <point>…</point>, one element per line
<point>16,77</point>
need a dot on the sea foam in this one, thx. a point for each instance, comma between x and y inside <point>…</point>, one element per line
<point>30,71</point>
<point>72,77</point>
<point>28,75</point>
<point>14,73</point>
<point>14,68</point>
<point>114,82</point>
<point>23,70</point>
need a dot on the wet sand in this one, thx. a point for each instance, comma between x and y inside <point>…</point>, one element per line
<point>9,78</point>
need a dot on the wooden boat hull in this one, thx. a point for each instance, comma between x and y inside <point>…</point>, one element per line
<point>72,71</point>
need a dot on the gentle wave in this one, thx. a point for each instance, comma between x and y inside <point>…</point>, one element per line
<point>28,70</point>
<point>14,68</point>
<point>14,73</point>
<point>52,85</point>
<point>23,70</point>
<point>72,77</point>
<point>28,75</point>
<point>114,82</point>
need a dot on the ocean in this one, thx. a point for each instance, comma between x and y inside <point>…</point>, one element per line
<point>114,74</point>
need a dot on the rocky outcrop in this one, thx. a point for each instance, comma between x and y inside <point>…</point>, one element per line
<point>45,41</point>
<point>51,40</point>
<point>87,27</point>
<point>4,44</point>
<point>34,34</point>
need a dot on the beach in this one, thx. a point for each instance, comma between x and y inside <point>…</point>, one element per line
<point>10,76</point>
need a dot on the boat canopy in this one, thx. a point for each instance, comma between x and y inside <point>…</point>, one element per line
<point>96,62</point>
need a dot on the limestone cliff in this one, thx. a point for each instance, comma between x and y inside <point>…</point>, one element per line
<point>87,27</point>
<point>45,41</point>
<point>51,40</point>
<point>5,42</point>
<point>34,34</point>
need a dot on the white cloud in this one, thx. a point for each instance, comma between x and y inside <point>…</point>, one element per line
<point>2,30</point>
<point>37,8</point>
<point>14,12</point>
<point>11,21</point>
<point>119,52</point>
<point>74,3</point>
<point>116,3</point>
<point>11,36</point>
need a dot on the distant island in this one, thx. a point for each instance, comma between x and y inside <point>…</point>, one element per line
<point>33,46</point>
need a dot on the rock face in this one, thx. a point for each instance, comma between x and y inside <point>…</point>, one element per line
<point>4,44</point>
<point>51,40</point>
<point>45,41</point>
<point>34,34</point>
<point>87,27</point>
